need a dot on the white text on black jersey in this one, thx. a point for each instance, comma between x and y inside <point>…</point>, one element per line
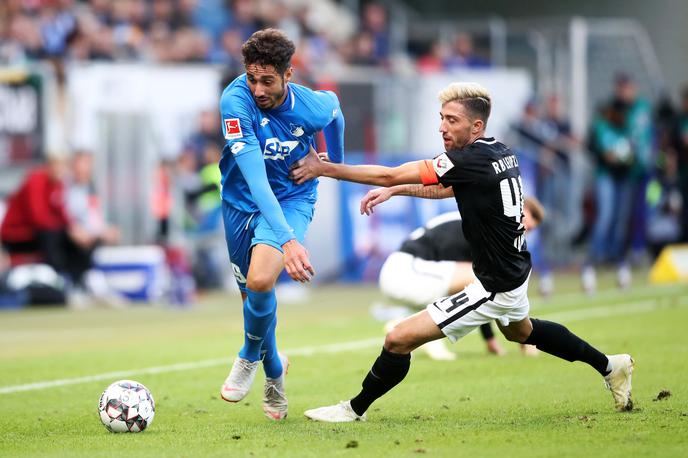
<point>504,164</point>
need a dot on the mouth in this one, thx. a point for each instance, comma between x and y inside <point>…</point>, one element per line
<point>262,101</point>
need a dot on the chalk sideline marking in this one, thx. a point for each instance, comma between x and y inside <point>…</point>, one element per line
<point>567,316</point>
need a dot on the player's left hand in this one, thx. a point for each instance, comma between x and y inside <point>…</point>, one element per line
<point>306,168</point>
<point>374,197</point>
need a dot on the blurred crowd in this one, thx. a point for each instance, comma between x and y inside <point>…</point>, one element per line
<point>212,31</point>
<point>621,194</point>
<point>615,197</point>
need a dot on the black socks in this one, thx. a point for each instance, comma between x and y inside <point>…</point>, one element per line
<point>486,331</point>
<point>388,370</point>
<point>556,340</point>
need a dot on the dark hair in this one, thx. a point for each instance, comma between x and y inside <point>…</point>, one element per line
<point>478,107</point>
<point>269,47</point>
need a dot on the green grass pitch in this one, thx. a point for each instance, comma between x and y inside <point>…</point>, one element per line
<point>477,406</point>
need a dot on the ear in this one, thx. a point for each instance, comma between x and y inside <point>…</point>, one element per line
<point>478,126</point>
<point>288,74</point>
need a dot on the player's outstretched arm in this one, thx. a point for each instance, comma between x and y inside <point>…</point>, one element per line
<point>312,167</point>
<point>376,196</point>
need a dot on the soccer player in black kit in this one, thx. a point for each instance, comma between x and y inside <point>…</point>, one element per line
<point>436,261</point>
<point>483,176</point>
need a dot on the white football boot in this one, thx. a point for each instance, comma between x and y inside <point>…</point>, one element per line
<point>239,381</point>
<point>589,280</point>
<point>338,413</point>
<point>274,398</point>
<point>619,381</point>
<point>624,277</point>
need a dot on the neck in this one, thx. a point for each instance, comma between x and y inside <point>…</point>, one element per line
<point>284,96</point>
<point>476,136</point>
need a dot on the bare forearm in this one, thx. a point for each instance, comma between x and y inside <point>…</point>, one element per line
<point>424,192</point>
<point>371,174</point>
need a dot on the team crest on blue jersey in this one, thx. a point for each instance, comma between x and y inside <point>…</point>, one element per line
<point>264,122</point>
<point>296,130</point>
<point>276,149</point>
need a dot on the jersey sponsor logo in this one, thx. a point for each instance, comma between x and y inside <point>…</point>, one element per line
<point>296,130</point>
<point>276,149</point>
<point>236,147</point>
<point>442,164</point>
<point>264,122</point>
<point>232,129</point>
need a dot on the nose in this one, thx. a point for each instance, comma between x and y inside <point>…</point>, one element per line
<point>259,90</point>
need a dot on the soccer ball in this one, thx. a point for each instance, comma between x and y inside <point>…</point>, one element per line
<point>126,406</point>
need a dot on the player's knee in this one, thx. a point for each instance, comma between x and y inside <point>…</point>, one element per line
<point>397,341</point>
<point>516,335</point>
<point>260,283</point>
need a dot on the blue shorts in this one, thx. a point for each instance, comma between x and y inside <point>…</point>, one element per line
<point>244,230</point>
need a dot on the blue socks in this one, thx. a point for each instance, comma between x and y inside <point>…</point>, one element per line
<point>272,364</point>
<point>260,319</point>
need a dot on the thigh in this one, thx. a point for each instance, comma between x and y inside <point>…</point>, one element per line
<point>460,313</point>
<point>238,234</point>
<point>265,266</point>
<point>412,332</point>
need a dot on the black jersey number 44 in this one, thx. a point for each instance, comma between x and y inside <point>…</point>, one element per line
<point>489,193</point>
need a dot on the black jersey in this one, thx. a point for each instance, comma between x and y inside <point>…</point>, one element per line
<point>489,193</point>
<point>441,239</point>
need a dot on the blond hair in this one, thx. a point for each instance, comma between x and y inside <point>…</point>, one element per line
<point>474,97</point>
<point>536,209</point>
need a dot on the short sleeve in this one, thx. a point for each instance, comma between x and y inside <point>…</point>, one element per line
<point>440,170</point>
<point>458,168</point>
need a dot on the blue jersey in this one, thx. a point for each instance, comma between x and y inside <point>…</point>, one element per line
<point>281,135</point>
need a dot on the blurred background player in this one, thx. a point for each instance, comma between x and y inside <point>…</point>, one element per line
<point>85,211</point>
<point>38,227</point>
<point>269,123</point>
<point>436,261</point>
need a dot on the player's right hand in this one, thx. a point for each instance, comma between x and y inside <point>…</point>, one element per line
<point>296,262</point>
<point>374,197</point>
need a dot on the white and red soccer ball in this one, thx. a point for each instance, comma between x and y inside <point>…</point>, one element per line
<point>126,406</point>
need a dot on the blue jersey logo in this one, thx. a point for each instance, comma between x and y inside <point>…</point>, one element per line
<point>276,149</point>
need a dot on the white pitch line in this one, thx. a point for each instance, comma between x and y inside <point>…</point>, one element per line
<point>567,316</point>
<point>303,351</point>
<point>600,312</point>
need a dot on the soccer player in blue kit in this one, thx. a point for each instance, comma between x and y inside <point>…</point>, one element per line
<point>269,123</point>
